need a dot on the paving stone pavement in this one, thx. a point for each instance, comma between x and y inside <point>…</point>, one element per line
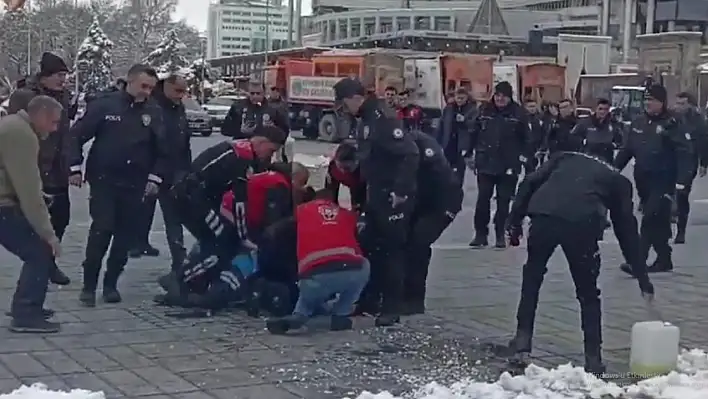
<point>132,350</point>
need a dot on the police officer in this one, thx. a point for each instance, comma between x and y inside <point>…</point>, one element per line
<point>127,163</point>
<point>389,165</point>
<point>245,116</point>
<point>691,118</point>
<point>169,94</point>
<point>663,164</point>
<point>567,199</point>
<point>453,132</point>
<point>558,136</point>
<point>597,134</point>
<point>498,145</point>
<point>439,201</point>
<point>537,132</point>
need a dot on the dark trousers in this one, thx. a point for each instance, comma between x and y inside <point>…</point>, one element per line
<point>386,236</point>
<point>505,186</point>
<point>459,166</point>
<point>655,227</point>
<point>215,234</point>
<point>19,238</point>
<point>59,209</point>
<point>173,226</point>
<point>683,208</point>
<point>426,230</point>
<point>579,244</point>
<point>115,214</point>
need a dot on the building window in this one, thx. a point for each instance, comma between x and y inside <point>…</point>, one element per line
<point>422,23</point>
<point>443,24</point>
<point>385,25</point>
<point>356,27</point>
<point>369,26</point>
<point>404,23</point>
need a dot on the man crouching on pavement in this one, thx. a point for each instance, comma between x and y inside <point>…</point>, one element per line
<point>330,263</point>
<point>25,227</point>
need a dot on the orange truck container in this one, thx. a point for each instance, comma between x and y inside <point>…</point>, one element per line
<point>543,81</point>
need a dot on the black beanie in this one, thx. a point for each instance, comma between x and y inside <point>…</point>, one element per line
<point>51,64</point>
<point>504,88</point>
<point>272,133</point>
<point>657,92</point>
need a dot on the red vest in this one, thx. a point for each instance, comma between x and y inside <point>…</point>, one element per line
<point>325,233</point>
<point>257,195</point>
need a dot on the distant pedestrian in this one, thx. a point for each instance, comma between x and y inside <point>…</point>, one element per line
<point>25,227</point>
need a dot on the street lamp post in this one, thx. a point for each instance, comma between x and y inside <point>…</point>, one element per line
<point>267,33</point>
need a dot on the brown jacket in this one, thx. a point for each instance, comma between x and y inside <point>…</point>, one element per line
<point>53,151</point>
<point>20,180</point>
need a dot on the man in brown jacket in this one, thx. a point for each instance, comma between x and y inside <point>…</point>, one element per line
<point>25,227</point>
<point>53,151</point>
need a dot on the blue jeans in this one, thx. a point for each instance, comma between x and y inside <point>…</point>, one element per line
<point>319,288</point>
<point>19,238</point>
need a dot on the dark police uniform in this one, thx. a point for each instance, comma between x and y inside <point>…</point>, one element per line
<point>439,201</point>
<point>129,150</point>
<point>567,199</point>
<point>693,122</point>
<point>499,141</point>
<point>178,136</point>
<point>537,137</point>
<point>559,137</point>
<point>663,164</point>
<point>246,114</point>
<point>453,134</point>
<point>597,137</point>
<point>389,165</point>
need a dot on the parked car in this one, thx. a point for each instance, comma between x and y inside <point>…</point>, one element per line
<point>218,107</point>
<point>198,119</point>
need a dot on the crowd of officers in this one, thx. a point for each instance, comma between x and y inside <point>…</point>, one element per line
<point>271,243</point>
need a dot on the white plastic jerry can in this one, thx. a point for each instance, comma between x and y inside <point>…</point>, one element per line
<point>654,348</point>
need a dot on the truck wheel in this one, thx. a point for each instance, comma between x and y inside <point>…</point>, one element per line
<point>206,133</point>
<point>328,128</point>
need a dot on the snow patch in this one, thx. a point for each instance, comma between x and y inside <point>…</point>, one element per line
<point>40,391</point>
<point>689,381</point>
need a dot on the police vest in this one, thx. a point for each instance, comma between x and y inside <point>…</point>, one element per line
<point>326,235</point>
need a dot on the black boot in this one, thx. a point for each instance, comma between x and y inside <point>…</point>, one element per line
<point>594,364</point>
<point>36,326</point>
<point>480,241</point>
<point>521,343</point>
<point>500,242</point>
<point>151,251</point>
<point>387,320</point>
<point>88,298</point>
<point>281,325</point>
<point>110,285</point>
<point>58,277</point>
<point>413,307</point>
<point>591,323</point>
<point>135,253</point>
<point>340,323</point>
<point>680,236</point>
<point>662,264</point>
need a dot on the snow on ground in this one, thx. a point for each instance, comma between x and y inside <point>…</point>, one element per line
<point>690,381</point>
<point>40,391</point>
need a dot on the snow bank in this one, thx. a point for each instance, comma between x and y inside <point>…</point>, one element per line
<point>690,381</point>
<point>40,391</point>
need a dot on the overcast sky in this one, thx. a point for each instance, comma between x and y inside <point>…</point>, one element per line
<point>195,11</point>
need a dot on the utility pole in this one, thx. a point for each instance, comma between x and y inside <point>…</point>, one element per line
<point>291,20</point>
<point>267,33</point>
<point>29,37</point>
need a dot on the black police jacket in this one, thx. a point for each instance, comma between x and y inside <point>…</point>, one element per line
<point>599,137</point>
<point>129,147</point>
<point>438,186</point>
<point>537,133</point>
<point>695,124</point>
<point>453,132</point>
<point>178,137</point>
<point>500,139</point>
<point>579,188</point>
<point>558,136</point>
<point>388,155</point>
<point>244,117</point>
<point>219,168</point>
<point>661,149</point>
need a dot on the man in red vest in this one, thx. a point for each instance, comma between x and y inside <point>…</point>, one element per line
<point>330,263</point>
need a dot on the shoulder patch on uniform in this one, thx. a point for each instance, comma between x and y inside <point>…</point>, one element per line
<point>659,129</point>
<point>429,152</point>
<point>397,133</point>
<point>688,136</point>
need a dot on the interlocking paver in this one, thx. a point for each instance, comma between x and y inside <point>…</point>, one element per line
<point>133,350</point>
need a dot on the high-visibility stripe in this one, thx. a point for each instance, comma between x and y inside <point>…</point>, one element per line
<point>325,253</point>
